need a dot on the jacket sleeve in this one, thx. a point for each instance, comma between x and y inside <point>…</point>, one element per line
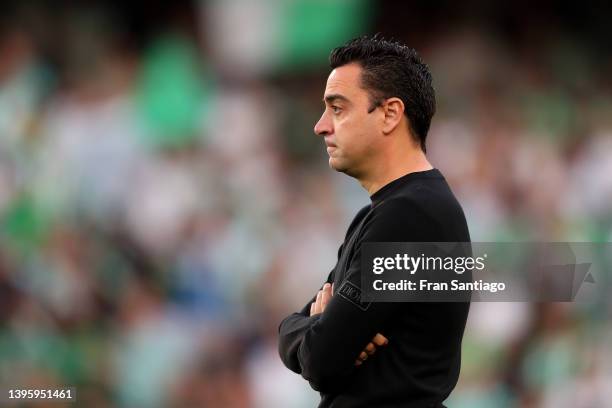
<point>290,333</point>
<point>291,330</point>
<point>329,343</point>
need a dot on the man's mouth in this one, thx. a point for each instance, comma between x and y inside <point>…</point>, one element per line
<point>330,144</point>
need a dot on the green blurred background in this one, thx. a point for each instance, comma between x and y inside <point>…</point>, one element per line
<point>164,202</point>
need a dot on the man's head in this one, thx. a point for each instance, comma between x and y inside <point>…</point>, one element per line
<point>376,88</point>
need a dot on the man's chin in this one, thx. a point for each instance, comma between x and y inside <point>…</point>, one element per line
<point>333,163</point>
<point>339,167</point>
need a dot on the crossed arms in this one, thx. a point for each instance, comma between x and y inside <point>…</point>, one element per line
<point>323,340</point>
<point>327,340</point>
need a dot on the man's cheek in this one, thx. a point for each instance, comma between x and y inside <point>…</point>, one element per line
<point>344,121</point>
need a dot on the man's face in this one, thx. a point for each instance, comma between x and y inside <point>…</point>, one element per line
<point>350,132</point>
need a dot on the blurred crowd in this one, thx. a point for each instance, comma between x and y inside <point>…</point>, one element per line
<point>164,202</point>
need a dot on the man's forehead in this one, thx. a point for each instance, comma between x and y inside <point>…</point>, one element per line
<point>344,81</point>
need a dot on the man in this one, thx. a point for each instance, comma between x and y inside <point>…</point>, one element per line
<point>379,102</point>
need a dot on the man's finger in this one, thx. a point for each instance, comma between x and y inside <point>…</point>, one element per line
<point>318,308</point>
<point>312,308</point>
<point>326,296</point>
<point>363,356</point>
<point>358,362</point>
<point>380,340</point>
<point>370,348</point>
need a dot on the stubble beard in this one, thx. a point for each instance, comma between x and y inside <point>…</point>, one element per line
<point>341,167</point>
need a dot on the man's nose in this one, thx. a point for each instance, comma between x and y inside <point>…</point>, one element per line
<point>323,126</point>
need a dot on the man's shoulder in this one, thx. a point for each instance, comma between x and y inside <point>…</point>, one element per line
<point>422,212</point>
<point>398,208</point>
<point>427,195</point>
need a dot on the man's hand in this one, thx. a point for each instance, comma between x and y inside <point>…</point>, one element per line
<point>370,348</point>
<point>318,306</point>
<point>323,298</point>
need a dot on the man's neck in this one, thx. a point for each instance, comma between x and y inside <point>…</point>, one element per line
<point>394,169</point>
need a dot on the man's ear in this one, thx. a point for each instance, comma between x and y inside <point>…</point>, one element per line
<point>394,112</point>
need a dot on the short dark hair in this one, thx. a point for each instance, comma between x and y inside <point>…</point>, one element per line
<point>391,69</point>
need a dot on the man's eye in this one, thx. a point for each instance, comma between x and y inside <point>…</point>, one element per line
<point>336,109</point>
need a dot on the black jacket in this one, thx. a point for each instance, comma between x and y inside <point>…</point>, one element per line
<point>420,365</point>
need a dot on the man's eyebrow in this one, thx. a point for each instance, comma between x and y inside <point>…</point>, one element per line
<point>335,97</point>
